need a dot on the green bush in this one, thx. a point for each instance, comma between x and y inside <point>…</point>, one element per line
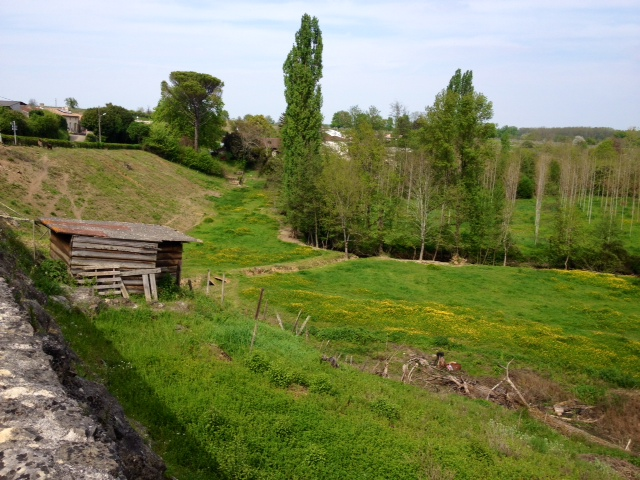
<point>258,363</point>
<point>321,384</point>
<point>279,376</point>
<point>526,188</point>
<point>386,410</point>
<point>590,394</point>
<point>49,275</point>
<point>201,161</point>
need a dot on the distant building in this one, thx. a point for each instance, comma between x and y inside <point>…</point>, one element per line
<point>14,105</point>
<point>73,119</point>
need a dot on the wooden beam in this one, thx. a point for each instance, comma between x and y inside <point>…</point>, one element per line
<point>114,241</point>
<point>109,248</point>
<point>142,271</point>
<point>81,253</point>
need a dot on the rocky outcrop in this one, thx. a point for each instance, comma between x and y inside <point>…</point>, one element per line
<point>54,424</point>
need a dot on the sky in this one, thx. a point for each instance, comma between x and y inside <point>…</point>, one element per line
<point>543,63</point>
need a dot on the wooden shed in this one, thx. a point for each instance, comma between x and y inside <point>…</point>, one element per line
<point>131,247</point>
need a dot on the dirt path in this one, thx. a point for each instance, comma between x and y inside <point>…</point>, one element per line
<point>285,235</point>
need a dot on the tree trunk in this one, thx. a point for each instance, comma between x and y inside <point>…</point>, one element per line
<point>196,140</point>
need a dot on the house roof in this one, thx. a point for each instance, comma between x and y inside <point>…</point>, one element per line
<point>117,230</point>
<point>10,103</point>
<point>63,112</point>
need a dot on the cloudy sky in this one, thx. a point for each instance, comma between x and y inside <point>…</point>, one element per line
<point>542,63</point>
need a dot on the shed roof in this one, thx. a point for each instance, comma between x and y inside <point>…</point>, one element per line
<point>118,230</point>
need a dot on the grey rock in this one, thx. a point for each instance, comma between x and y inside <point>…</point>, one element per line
<point>54,424</point>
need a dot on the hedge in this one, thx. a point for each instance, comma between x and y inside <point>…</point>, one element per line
<point>33,142</point>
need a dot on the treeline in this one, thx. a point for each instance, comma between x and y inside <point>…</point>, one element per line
<point>590,135</point>
<point>446,186</point>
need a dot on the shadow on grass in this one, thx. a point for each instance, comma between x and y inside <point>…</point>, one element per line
<point>184,455</point>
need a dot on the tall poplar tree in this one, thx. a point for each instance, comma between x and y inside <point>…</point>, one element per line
<point>302,128</point>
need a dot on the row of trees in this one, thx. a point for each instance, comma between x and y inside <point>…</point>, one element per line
<point>446,184</point>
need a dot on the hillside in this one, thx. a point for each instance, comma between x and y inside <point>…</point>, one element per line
<point>118,185</point>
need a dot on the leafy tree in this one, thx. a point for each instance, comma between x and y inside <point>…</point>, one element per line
<point>114,122</point>
<point>162,142</point>
<point>246,139</point>
<point>46,124</point>
<point>375,117</point>
<point>342,119</point>
<point>301,131</point>
<point>455,130</point>
<point>71,102</point>
<point>191,103</point>
<point>344,190</point>
<point>7,116</point>
<point>138,131</point>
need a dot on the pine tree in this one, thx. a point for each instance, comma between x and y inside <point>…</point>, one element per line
<point>302,128</point>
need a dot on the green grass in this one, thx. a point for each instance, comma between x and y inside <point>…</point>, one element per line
<point>242,233</point>
<point>558,322</point>
<point>523,227</point>
<point>281,414</point>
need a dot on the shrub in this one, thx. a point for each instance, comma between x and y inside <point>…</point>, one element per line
<point>321,384</point>
<point>50,275</point>
<point>590,394</point>
<point>526,187</point>
<point>279,376</point>
<point>386,410</point>
<point>258,363</point>
<point>618,378</point>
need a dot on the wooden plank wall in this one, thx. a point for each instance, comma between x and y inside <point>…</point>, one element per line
<point>122,254</point>
<point>170,259</point>
<point>60,247</point>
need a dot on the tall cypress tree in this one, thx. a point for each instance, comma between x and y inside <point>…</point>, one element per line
<point>302,128</point>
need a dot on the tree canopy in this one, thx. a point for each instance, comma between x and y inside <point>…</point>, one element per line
<point>191,103</point>
<point>114,122</point>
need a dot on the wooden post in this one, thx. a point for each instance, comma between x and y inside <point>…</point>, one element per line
<point>279,321</point>
<point>34,241</point>
<point>147,288</point>
<point>259,304</point>
<point>208,280</point>
<point>295,325</point>
<point>222,294</point>
<point>253,338</point>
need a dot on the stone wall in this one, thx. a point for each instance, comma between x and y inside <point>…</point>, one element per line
<point>54,424</point>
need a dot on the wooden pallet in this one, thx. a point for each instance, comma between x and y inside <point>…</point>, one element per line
<point>148,281</point>
<point>106,280</point>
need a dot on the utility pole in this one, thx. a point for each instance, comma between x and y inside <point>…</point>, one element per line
<point>100,115</point>
<point>14,127</point>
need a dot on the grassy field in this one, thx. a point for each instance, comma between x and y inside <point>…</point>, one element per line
<point>242,233</point>
<point>213,409</point>
<point>562,323</point>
